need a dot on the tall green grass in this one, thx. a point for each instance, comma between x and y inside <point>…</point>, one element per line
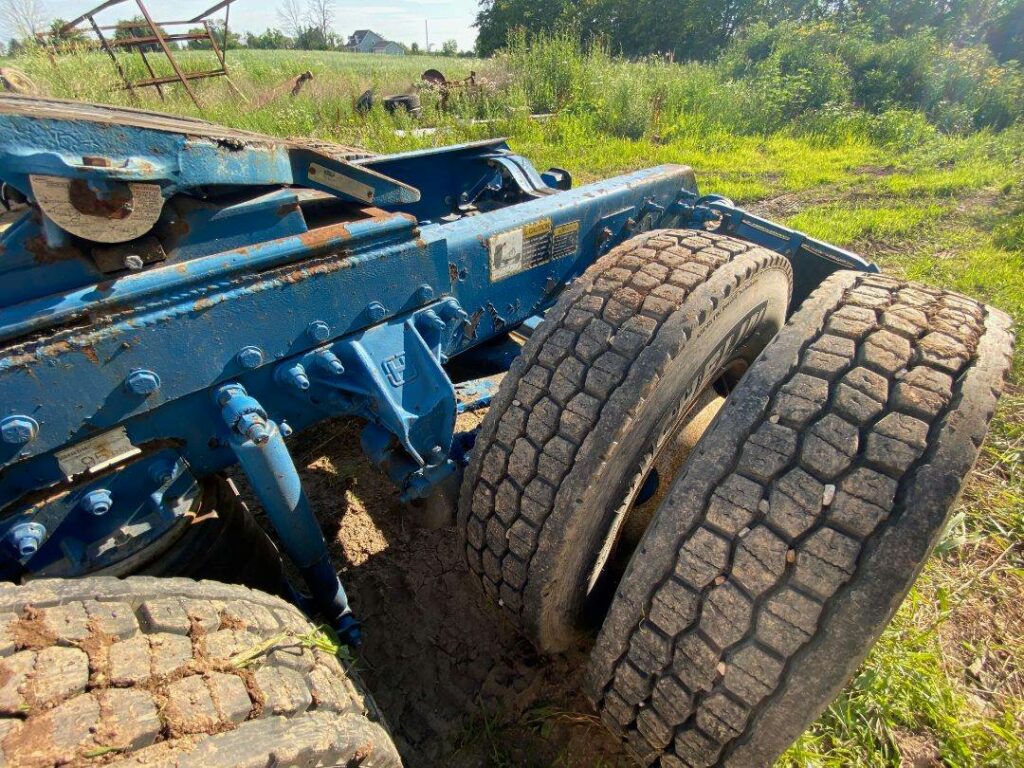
<point>941,207</point>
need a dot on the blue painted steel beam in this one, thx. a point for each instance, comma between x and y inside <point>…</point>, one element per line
<point>310,301</point>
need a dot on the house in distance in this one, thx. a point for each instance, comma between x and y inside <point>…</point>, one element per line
<point>368,41</point>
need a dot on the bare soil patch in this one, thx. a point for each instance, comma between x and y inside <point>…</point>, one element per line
<point>458,684</point>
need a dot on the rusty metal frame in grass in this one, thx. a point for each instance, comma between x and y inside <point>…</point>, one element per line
<point>147,34</point>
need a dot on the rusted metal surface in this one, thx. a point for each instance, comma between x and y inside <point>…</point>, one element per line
<point>153,34</point>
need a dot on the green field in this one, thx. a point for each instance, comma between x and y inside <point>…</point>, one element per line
<point>946,683</point>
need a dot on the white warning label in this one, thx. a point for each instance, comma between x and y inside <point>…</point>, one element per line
<point>96,453</point>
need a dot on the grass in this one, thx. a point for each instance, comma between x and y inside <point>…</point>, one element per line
<point>946,681</point>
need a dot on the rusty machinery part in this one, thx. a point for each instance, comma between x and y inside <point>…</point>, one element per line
<point>15,81</point>
<point>292,86</point>
<point>101,212</point>
<point>194,673</point>
<point>146,35</point>
<point>601,392</point>
<point>806,513</point>
<point>299,81</point>
<point>221,541</point>
<point>434,77</point>
<point>11,198</point>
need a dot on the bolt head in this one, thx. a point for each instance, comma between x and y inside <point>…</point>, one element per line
<point>26,538</point>
<point>425,292</point>
<point>258,433</point>
<point>318,330</point>
<point>143,382</point>
<point>250,357</point>
<point>18,430</point>
<point>97,502</point>
<point>376,311</point>
<point>225,393</point>
<point>133,262</point>
<point>162,472</point>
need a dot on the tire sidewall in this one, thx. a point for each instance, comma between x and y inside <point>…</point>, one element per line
<point>734,314</point>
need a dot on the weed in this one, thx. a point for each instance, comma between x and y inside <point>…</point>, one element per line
<point>948,675</point>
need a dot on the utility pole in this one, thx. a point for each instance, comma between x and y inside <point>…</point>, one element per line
<point>426,32</point>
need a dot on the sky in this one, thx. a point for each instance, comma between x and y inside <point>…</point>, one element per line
<point>401,20</point>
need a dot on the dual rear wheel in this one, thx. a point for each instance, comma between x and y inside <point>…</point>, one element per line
<point>769,540</point>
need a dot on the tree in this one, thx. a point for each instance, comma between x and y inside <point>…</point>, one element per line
<point>312,39</point>
<point>450,48</point>
<point>292,17</point>
<point>233,40</point>
<point>414,48</point>
<point>271,39</point>
<point>320,14</point>
<point>137,26</point>
<point>26,18</point>
<point>1006,34</point>
<point>697,29</point>
<point>497,18</point>
<point>60,36</point>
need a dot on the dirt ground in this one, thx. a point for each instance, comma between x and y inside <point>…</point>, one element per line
<point>456,681</point>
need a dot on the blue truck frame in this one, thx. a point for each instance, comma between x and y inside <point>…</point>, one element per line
<point>278,283</point>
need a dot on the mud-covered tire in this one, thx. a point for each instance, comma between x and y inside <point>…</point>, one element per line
<point>598,389</point>
<point>175,672</point>
<point>800,522</point>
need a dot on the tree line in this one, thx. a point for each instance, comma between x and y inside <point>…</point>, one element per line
<point>698,30</point>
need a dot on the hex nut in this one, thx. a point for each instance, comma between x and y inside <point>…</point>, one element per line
<point>26,538</point>
<point>97,502</point>
<point>318,330</point>
<point>143,382</point>
<point>18,430</point>
<point>250,357</point>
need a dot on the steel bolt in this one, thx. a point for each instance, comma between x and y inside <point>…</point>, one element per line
<point>228,391</point>
<point>133,262</point>
<point>286,429</point>
<point>142,382</point>
<point>318,330</point>
<point>376,311</point>
<point>18,430</point>
<point>295,376</point>
<point>424,293</point>
<point>97,502</point>
<point>26,538</point>
<point>254,427</point>
<point>258,433</point>
<point>433,321</point>
<point>330,362</point>
<point>437,453</point>
<point>250,357</point>
<point>161,472</point>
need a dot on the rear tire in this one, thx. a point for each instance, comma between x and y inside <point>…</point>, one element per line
<point>174,672</point>
<point>797,528</point>
<point>602,386</point>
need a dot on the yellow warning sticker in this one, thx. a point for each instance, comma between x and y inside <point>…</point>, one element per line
<point>530,246</point>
